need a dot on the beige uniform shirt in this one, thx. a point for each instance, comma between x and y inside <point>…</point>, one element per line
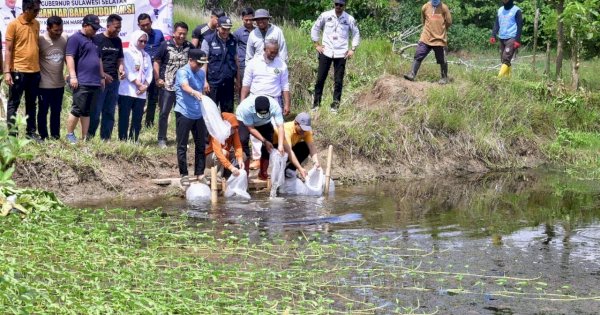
<point>52,61</point>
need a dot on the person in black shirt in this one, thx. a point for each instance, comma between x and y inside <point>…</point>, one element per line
<point>201,31</point>
<point>111,50</point>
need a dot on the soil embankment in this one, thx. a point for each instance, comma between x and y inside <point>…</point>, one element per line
<point>117,177</point>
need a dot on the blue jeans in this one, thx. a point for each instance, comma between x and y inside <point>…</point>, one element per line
<point>106,104</point>
<point>50,99</point>
<point>135,107</point>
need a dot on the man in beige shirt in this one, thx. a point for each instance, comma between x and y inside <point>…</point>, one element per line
<point>436,20</point>
<point>21,64</point>
<point>52,85</point>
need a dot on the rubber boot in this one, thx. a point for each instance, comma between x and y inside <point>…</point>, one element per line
<point>263,173</point>
<point>509,71</point>
<point>504,71</point>
<point>413,73</point>
<point>444,72</point>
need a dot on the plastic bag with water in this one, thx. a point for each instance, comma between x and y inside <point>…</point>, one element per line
<point>237,186</point>
<point>216,126</point>
<point>312,186</point>
<point>278,163</point>
<point>197,192</point>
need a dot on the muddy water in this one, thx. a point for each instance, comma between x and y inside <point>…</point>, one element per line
<point>519,243</point>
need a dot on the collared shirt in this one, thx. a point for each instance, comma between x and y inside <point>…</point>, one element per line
<point>52,61</point>
<point>171,59</point>
<point>87,59</point>
<point>241,36</point>
<point>291,136</point>
<point>26,49</point>
<point>155,38</point>
<point>264,78</point>
<point>336,33</point>
<point>138,65</point>
<point>185,103</point>
<point>162,17</point>
<point>256,42</point>
<point>246,112</point>
<point>6,16</point>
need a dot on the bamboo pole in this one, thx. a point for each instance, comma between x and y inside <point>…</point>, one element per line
<point>213,185</point>
<point>328,169</point>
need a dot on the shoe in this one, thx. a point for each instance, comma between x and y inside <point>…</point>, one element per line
<point>162,144</point>
<point>444,74</point>
<point>71,138</point>
<point>255,164</point>
<point>35,137</point>
<point>185,180</point>
<point>315,108</point>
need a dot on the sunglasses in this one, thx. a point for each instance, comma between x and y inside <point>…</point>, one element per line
<point>142,41</point>
<point>339,5</point>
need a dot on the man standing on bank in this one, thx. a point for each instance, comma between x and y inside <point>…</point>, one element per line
<point>204,30</point>
<point>52,86</point>
<point>111,49</point>
<point>223,66</point>
<point>188,113</point>
<point>337,27</point>
<point>264,32</point>
<point>508,27</point>
<point>436,20</point>
<point>155,38</point>
<point>241,37</point>
<point>22,64</point>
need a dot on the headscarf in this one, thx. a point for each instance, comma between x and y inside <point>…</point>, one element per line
<point>508,5</point>
<point>435,3</point>
<point>139,56</point>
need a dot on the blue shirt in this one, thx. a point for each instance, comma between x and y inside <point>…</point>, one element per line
<point>246,112</point>
<point>185,103</point>
<point>87,59</point>
<point>241,36</point>
<point>154,39</point>
<point>508,22</point>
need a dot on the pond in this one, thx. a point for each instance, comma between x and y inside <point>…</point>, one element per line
<point>503,243</point>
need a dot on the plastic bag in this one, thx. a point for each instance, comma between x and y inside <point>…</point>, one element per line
<point>197,192</point>
<point>216,126</point>
<point>277,162</point>
<point>315,180</point>
<point>293,186</point>
<point>237,186</point>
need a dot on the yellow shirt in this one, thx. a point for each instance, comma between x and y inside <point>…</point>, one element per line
<point>291,136</point>
<point>26,51</point>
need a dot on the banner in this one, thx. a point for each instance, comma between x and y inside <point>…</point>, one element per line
<point>73,11</point>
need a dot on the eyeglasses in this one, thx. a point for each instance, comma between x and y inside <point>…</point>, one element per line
<point>339,5</point>
<point>142,41</point>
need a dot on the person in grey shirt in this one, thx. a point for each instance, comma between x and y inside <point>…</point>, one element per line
<point>241,36</point>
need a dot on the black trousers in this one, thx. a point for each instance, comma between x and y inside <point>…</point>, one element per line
<point>222,94</point>
<point>339,68</point>
<point>167,101</point>
<point>183,127</point>
<point>29,84</point>
<point>424,49</point>
<point>152,99</point>
<point>50,99</point>
<point>266,131</point>
<point>301,151</point>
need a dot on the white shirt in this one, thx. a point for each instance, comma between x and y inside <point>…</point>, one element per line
<point>256,42</point>
<point>336,33</point>
<point>263,78</point>
<point>163,20</point>
<point>133,66</point>
<point>7,17</point>
<point>246,112</point>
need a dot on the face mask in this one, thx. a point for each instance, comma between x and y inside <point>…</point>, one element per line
<point>435,3</point>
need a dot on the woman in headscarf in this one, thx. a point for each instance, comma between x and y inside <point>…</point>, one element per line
<point>132,90</point>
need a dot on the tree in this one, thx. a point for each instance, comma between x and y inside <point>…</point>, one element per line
<point>560,37</point>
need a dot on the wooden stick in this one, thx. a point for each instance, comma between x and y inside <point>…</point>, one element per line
<point>535,35</point>
<point>328,169</point>
<point>213,185</point>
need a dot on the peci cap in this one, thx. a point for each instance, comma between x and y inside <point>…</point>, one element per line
<point>303,119</point>
<point>261,14</point>
<point>92,20</point>
<point>198,54</point>
<point>262,106</point>
<point>339,2</point>
<point>225,22</point>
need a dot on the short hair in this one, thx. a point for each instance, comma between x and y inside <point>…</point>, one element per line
<point>144,16</point>
<point>180,24</point>
<point>247,11</point>
<point>30,4</point>
<point>113,17</point>
<point>218,12</point>
<point>271,42</point>
<point>54,20</point>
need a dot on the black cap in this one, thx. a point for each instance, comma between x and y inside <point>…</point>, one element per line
<point>92,20</point>
<point>198,54</point>
<point>262,106</point>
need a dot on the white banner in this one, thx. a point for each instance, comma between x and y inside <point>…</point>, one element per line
<point>73,11</point>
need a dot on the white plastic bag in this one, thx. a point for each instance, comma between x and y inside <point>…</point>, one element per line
<point>315,180</point>
<point>197,192</point>
<point>293,186</point>
<point>237,186</point>
<point>215,124</point>
<point>277,162</point>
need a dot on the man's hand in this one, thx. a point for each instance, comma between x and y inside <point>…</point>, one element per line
<point>206,88</point>
<point>280,149</point>
<point>109,79</point>
<point>516,45</point>
<point>320,48</point>
<point>286,110</point>
<point>235,171</point>
<point>349,54</point>
<point>241,163</point>
<point>8,79</point>
<point>317,165</point>
<point>160,83</point>
<point>103,84</point>
<point>268,145</point>
<point>302,172</point>
<point>121,73</point>
<point>492,40</point>
<point>73,83</point>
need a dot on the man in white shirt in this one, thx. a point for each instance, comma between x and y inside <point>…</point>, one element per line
<point>8,12</point>
<point>161,13</point>
<point>337,26</point>
<point>267,75</point>
<point>265,31</point>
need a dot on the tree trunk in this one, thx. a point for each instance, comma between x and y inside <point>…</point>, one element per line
<point>547,67</point>
<point>560,37</point>
<point>535,35</point>
<point>575,64</point>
